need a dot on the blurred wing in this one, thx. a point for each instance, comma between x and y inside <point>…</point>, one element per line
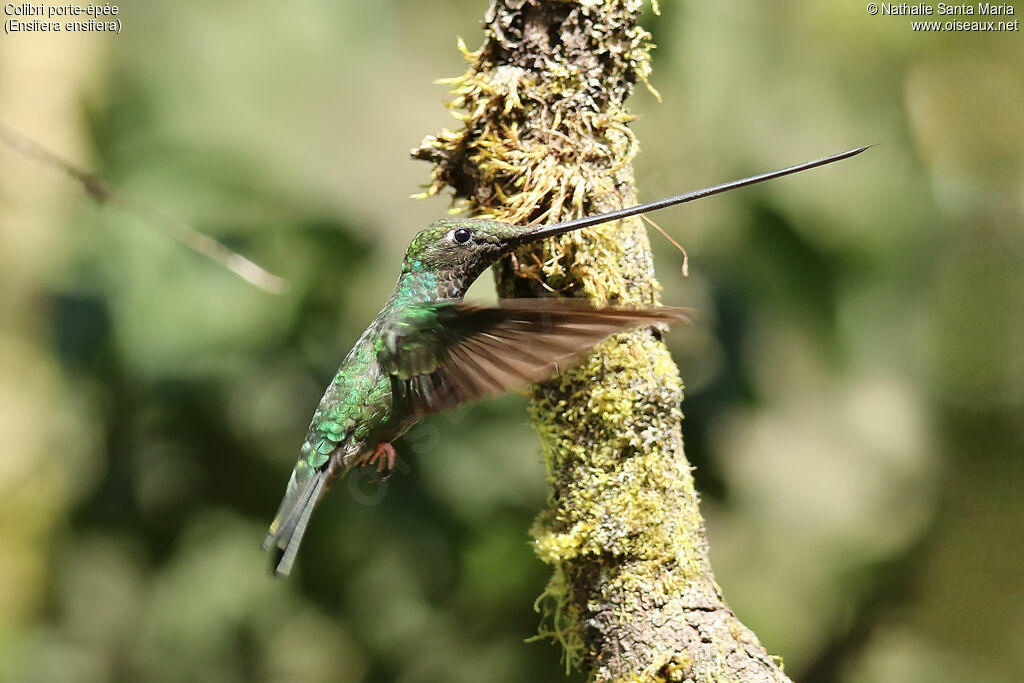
<point>444,354</point>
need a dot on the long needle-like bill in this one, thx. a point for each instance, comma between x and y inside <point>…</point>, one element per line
<point>177,230</point>
<point>587,221</point>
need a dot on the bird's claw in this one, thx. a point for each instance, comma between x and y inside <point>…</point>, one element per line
<point>384,457</point>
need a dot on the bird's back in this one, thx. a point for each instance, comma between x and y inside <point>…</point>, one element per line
<point>355,409</point>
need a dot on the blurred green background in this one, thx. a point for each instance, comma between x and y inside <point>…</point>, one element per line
<point>855,383</point>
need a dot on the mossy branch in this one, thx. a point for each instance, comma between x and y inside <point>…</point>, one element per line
<point>545,137</point>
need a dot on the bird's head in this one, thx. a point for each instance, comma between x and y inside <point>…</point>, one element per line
<point>460,249</point>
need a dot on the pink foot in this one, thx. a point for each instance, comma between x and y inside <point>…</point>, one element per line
<point>383,456</point>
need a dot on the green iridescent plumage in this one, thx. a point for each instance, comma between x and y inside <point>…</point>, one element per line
<point>429,351</point>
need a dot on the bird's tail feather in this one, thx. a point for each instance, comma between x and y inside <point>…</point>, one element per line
<point>289,524</point>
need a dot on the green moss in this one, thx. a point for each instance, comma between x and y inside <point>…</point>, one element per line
<point>627,394</point>
<point>678,667</point>
<point>560,620</point>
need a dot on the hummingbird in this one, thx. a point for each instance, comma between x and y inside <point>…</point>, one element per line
<point>428,350</point>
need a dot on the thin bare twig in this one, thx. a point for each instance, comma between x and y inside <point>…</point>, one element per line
<point>681,248</point>
<point>176,229</point>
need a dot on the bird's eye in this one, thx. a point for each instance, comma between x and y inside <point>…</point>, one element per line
<point>461,236</point>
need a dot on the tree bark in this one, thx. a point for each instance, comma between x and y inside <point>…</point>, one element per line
<point>545,137</point>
